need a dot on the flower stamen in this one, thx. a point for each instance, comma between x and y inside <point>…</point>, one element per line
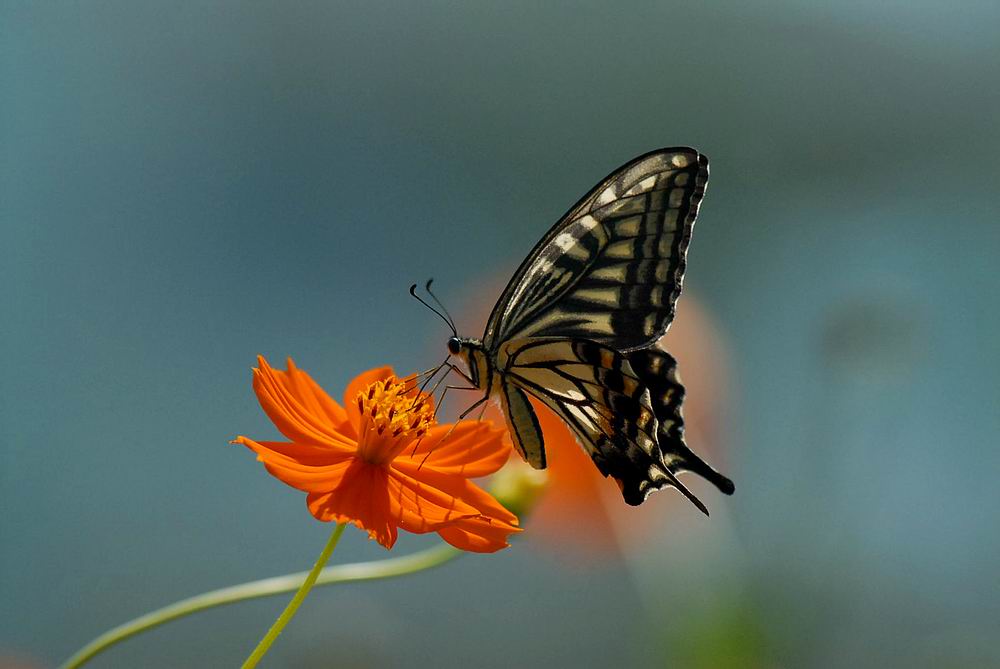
<point>390,415</point>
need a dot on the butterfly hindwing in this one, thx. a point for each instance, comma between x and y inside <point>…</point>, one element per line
<point>612,268</point>
<point>594,389</point>
<point>522,425</point>
<point>657,370</point>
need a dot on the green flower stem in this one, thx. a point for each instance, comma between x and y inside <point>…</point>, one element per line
<point>293,606</point>
<point>345,573</point>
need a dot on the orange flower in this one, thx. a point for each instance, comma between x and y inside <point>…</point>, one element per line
<point>381,461</point>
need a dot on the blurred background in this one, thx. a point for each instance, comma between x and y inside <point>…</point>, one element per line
<point>186,185</point>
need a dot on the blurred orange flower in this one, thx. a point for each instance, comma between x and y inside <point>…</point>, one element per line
<point>381,461</point>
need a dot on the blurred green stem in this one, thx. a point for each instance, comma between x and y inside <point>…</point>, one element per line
<point>293,606</point>
<point>346,573</point>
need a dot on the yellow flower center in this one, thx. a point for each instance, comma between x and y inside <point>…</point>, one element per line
<point>393,414</point>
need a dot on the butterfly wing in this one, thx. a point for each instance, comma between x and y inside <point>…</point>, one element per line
<point>611,269</point>
<point>522,425</point>
<point>608,406</point>
<point>657,370</point>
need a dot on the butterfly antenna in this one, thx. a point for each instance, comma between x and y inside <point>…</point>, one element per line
<point>451,321</point>
<point>413,294</point>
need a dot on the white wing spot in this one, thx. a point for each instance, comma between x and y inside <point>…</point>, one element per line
<point>599,323</point>
<point>675,198</point>
<point>608,195</point>
<point>679,160</point>
<point>628,227</point>
<point>585,420</point>
<point>614,272</point>
<point>622,250</point>
<point>655,363</point>
<point>650,328</point>
<point>656,296</point>
<point>646,184</point>
<point>565,241</point>
<point>661,271</point>
<point>607,297</point>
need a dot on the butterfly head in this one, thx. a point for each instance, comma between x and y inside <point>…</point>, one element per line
<point>473,354</point>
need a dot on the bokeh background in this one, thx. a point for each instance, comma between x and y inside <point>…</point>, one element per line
<point>185,185</point>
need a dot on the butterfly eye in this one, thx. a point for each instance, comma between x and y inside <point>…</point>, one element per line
<point>454,345</point>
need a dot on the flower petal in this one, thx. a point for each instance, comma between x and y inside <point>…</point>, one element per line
<point>315,398</point>
<point>309,454</point>
<point>307,468</point>
<point>279,398</point>
<point>361,498</point>
<point>478,535</point>
<point>356,386</point>
<point>484,532</point>
<point>420,507</point>
<point>472,449</point>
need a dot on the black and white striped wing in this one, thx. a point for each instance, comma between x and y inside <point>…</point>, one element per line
<point>611,269</point>
<point>609,407</point>
<point>657,370</point>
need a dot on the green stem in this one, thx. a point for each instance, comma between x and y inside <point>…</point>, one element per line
<point>345,573</point>
<point>293,606</point>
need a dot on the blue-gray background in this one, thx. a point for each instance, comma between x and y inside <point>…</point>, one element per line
<point>184,185</point>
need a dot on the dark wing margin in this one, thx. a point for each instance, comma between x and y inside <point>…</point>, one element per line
<point>612,268</point>
<point>606,404</point>
<point>657,370</point>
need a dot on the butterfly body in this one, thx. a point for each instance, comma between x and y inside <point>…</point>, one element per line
<point>577,324</point>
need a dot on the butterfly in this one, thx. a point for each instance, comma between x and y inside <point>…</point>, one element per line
<point>576,328</point>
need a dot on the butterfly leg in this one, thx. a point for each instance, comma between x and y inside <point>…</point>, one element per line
<point>458,370</point>
<point>455,424</point>
<point>444,393</point>
<point>440,403</point>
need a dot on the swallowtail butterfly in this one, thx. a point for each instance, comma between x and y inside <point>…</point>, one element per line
<point>577,324</point>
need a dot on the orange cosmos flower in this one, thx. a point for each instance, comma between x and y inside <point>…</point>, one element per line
<point>381,461</point>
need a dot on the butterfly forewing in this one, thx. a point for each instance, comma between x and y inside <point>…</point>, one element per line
<point>611,269</point>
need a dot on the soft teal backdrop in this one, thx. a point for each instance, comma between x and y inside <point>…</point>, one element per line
<point>185,185</point>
